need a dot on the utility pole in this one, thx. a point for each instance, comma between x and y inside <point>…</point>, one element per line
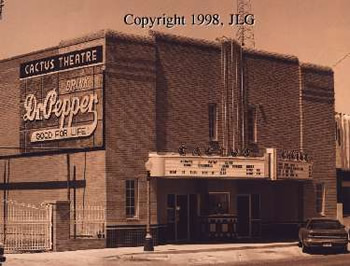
<point>245,31</point>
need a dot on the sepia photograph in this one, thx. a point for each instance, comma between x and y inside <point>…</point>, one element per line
<point>163,132</point>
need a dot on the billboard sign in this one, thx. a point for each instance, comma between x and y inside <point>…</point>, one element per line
<point>62,108</point>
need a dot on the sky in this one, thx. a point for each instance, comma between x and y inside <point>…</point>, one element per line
<point>316,31</point>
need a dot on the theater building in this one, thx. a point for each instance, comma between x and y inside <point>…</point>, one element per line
<point>239,143</point>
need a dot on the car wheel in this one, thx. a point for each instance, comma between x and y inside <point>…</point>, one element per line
<point>345,249</point>
<point>299,243</point>
<point>304,248</point>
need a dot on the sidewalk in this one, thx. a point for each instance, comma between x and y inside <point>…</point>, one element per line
<point>194,254</point>
<point>197,248</point>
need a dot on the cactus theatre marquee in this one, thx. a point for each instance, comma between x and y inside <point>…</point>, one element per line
<point>61,100</point>
<point>270,166</point>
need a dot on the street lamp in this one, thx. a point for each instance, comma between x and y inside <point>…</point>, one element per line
<point>148,245</point>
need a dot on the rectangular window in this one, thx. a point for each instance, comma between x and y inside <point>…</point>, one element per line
<point>219,203</point>
<point>252,125</point>
<point>212,121</point>
<point>320,198</point>
<point>346,198</point>
<point>131,198</point>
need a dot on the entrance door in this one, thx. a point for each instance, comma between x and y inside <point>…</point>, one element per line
<point>182,217</point>
<point>171,218</point>
<point>193,214</point>
<point>255,214</point>
<point>248,215</point>
<point>243,215</point>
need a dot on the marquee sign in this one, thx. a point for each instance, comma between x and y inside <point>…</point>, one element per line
<point>287,169</point>
<point>61,62</point>
<point>64,108</point>
<point>269,166</point>
<point>173,165</point>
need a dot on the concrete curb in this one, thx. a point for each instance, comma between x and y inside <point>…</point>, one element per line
<point>185,251</point>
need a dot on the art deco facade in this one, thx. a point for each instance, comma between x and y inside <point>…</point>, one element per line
<point>240,143</point>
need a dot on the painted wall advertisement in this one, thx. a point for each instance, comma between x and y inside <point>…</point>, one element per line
<point>62,101</point>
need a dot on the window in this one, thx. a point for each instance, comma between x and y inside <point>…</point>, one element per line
<point>324,224</point>
<point>252,125</point>
<point>131,198</point>
<point>212,121</point>
<point>346,198</point>
<point>219,203</point>
<point>320,198</point>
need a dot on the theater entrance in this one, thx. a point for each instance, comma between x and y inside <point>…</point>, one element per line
<point>181,217</point>
<point>248,215</point>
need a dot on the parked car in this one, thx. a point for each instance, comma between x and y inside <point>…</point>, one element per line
<point>323,233</point>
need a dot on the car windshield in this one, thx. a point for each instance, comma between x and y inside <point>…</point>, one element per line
<point>324,224</point>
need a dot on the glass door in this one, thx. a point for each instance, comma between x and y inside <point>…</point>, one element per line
<point>248,215</point>
<point>182,221</point>
<point>182,217</point>
<point>243,215</point>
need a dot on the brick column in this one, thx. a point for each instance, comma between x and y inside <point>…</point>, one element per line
<point>60,225</point>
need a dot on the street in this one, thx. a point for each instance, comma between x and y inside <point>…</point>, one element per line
<point>218,254</point>
<point>313,259</point>
<point>338,259</point>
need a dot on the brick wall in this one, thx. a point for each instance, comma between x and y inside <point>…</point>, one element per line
<point>35,179</point>
<point>319,133</point>
<point>10,99</point>
<point>61,230</point>
<point>285,122</point>
<point>188,79</point>
<point>130,122</point>
<point>272,86</point>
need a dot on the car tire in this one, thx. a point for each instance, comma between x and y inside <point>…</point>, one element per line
<point>299,244</point>
<point>304,248</point>
<point>345,249</point>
